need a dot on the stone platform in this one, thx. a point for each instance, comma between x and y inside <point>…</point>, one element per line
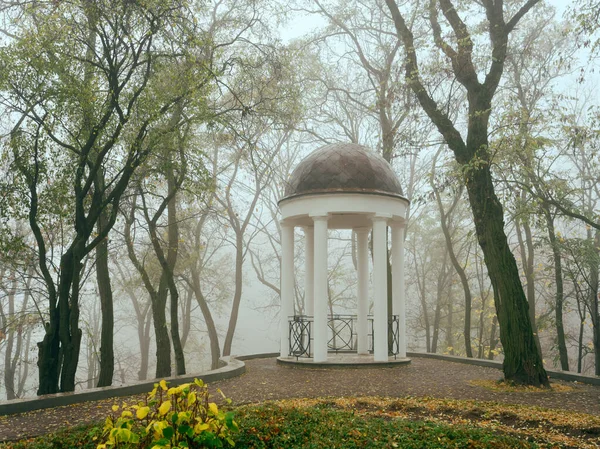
<point>342,361</point>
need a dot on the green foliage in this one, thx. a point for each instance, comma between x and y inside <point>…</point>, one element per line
<point>81,437</point>
<point>377,422</point>
<point>177,417</point>
<point>274,426</point>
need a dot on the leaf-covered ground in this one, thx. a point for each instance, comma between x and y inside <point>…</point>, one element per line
<point>446,381</point>
<point>373,422</point>
<point>547,427</point>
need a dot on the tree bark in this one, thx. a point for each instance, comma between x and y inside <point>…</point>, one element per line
<point>9,325</point>
<point>527,258</point>
<point>144,338</point>
<point>559,301</point>
<point>594,299</point>
<point>161,332</point>
<point>237,295</point>
<point>158,301</point>
<point>522,362</point>
<point>450,319</point>
<point>107,355</point>
<point>172,261</point>
<point>580,342</point>
<point>493,339</point>
<point>69,333</point>
<point>441,283</point>
<point>481,327</point>
<point>194,282</point>
<point>213,336</point>
<point>422,295</point>
<point>457,267</point>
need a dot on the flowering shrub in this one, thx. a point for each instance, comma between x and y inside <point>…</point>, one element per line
<point>177,417</point>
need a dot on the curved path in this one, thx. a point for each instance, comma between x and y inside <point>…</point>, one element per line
<point>265,380</point>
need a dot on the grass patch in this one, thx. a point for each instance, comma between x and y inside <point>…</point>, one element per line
<point>280,425</point>
<point>80,437</point>
<point>510,387</point>
<point>383,423</point>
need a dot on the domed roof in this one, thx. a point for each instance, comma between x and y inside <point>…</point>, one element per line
<point>343,168</point>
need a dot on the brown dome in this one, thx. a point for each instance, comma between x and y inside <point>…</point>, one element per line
<point>343,168</point>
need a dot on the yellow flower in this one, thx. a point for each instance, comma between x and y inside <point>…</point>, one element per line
<point>213,408</point>
<point>163,384</point>
<point>115,408</point>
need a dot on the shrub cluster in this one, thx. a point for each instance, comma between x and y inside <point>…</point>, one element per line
<point>176,417</point>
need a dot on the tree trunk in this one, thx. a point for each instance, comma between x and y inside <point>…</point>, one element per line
<point>441,282</point>
<point>24,367</point>
<point>172,261</point>
<point>559,303</point>
<point>159,317</point>
<point>594,309</point>
<point>459,270</point>
<point>68,304</point>
<point>107,356</point>
<point>493,339</point>
<point>527,258</point>
<point>449,322</point>
<point>158,302</point>
<point>580,343</point>
<point>186,318</point>
<point>481,327</point>
<point>522,360</point>
<point>144,338</point>
<point>213,336</point>
<point>436,325</point>
<point>9,325</point>
<point>422,295</point>
<point>49,357</point>
<point>237,296</point>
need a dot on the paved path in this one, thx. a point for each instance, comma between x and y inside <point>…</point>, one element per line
<point>265,380</point>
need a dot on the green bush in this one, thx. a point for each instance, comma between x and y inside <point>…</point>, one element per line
<point>177,417</point>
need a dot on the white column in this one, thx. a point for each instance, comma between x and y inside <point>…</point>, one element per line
<point>287,283</point>
<point>398,288</point>
<point>309,270</point>
<point>380,344</point>
<point>362,256</point>
<point>320,292</point>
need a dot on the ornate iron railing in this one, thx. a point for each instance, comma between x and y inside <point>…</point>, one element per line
<point>342,334</point>
<point>300,335</point>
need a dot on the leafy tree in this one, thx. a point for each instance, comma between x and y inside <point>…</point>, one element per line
<point>77,138</point>
<point>522,362</point>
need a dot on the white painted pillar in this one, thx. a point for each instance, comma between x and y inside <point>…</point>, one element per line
<point>398,287</point>
<point>287,283</point>
<point>309,270</point>
<point>320,292</point>
<point>380,344</point>
<point>362,256</point>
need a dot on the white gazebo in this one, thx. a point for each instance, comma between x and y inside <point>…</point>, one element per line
<point>343,186</point>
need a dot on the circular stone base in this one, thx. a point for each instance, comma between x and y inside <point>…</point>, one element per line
<point>342,361</point>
